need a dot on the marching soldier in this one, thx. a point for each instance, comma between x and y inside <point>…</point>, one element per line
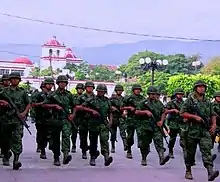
<point>130,104</point>
<point>80,89</point>
<point>198,111</point>
<point>118,119</point>
<point>12,127</point>
<point>61,102</point>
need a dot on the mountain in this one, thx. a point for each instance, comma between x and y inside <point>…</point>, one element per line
<point>116,54</point>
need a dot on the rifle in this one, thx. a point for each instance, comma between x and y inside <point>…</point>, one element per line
<point>102,118</point>
<point>64,110</point>
<point>16,110</point>
<point>160,128</point>
<point>205,119</point>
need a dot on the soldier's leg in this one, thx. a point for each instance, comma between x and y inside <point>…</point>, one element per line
<point>113,135</point>
<point>158,143</point>
<point>173,134</point>
<point>43,140</point>
<point>38,128</point>
<point>55,143</point>
<point>122,129</point>
<point>93,138</point>
<point>130,139</point>
<point>66,133</point>
<point>17,146</point>
<point>205,144</point>
<point>74,137</point>
<point>83,134</point>
<point>1,154</point>
<point>6,142</point>
<point>104,138</point>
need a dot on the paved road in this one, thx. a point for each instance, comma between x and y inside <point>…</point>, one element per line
<point>38,170</point>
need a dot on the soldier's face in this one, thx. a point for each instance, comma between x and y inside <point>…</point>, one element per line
<point>119,92</point>
<point>6,83</point>
<point>62,85</point>
<point>49,86</point>
<point>137,91</point>
<point>179,96</point>
<point>89,89</point>
<point>80,91</point>
<point>217,99</point>
<point>153,96</point>
<point>14,81</point>
<point>200,90</point>
<point>100,93</point>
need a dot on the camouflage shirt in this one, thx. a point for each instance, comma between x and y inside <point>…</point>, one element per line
<point>118,103</point>
<point>216,108</point>
<point>174,120</point>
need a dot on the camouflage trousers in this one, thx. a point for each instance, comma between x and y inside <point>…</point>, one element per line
<point>158,141</point>
<point>74,133</point>
<point>104,138</point>
<point>118,123</point>
<point>173,135</point>
<point>12,134</point>
<point>66,134</point>
<point>83,135</point>
<point>205,145</point>
<point>131,126</point>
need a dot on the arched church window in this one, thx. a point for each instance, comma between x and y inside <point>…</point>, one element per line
<point>58,53</point>
<point>50,52</point>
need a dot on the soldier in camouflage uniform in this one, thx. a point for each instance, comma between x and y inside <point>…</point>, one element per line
<point>12,127</point>
<point>43,116</point>
<point>216,107</point>
<point>61,102</point>
<point>80,89</point>
<point>100,108</point>
<point>198,131</point>
<point>174,121</point>
<point>130,104</point>
<point>151,119</point>
<point>118,119</point>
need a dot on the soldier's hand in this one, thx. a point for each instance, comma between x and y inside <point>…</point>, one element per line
<point>175,110</point>
<point>70,117</point>
<point>212,129</point>
<point>160,123</point>
<point>22,115</point>
<point>58,107</point>
<point>132,109</point>
<point>198,118</point>
<point>95,113</point>
<point>149,113</point>
<point>114,108</point>
<point>4,103</point>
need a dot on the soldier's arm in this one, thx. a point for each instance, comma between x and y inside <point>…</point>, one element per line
<point>142,110</point>
<point>213,115</point>
<point>125,106</point>
<point>48,104</point>
<point>34,100</point>
<point>110,116</point>
<point>169,109</point>
<point>27,103</point>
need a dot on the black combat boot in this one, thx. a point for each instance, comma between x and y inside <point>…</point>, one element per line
<point>92,161</point>
<point>108,159</point>
<point>113,147</point>
<point>66,158</point>
<point>144,159</point>
<point>84,155</point>
<point>73,149</point>
<point>188,174</point>
<point>56,161</point>
<point>212,174</point>
<point>171,153</point>
<point>16,164</point>
<point>125,144</point>
<point>43,154</point>
<point>38,149</point>
<point>129,153</point>
<point>163,160</point>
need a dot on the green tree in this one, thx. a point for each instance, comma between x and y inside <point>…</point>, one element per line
<point>213,67</point>
<point>101,73</point>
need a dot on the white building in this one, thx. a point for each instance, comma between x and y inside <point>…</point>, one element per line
<point>56,55</point>
<point>23,65</point>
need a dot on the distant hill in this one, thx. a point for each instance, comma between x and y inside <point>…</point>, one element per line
<point>116,54</point>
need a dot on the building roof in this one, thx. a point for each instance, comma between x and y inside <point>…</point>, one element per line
<point>23,60</point>
<point>53,43</point>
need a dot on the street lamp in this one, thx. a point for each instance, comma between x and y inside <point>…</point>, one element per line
<point>149,64</point>
<point>196,64</point>
<point>118,74</point>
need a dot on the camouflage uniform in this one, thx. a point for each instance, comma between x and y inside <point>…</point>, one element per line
<point>60,121</point>
<point>175,122</point>
<point>43,117</point>
<point>12,127</point>
<point>118,120</point>
<point>196,132</point>
<point>147,128</point>
<point>77,119</point>
<point>216,107</point>
<point>132,120</point>
<point>102,105</point>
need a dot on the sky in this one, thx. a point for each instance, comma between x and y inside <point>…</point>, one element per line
<point>186,18</point>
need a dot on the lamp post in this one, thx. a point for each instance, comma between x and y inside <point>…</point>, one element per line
<point>149,64</point>
<point>118,74</point>
<point>196,64</point>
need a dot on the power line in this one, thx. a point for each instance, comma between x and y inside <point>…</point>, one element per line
<point>19,54</point>
<point>108,30</point>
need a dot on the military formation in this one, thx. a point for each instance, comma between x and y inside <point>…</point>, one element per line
<point>59,117</point>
